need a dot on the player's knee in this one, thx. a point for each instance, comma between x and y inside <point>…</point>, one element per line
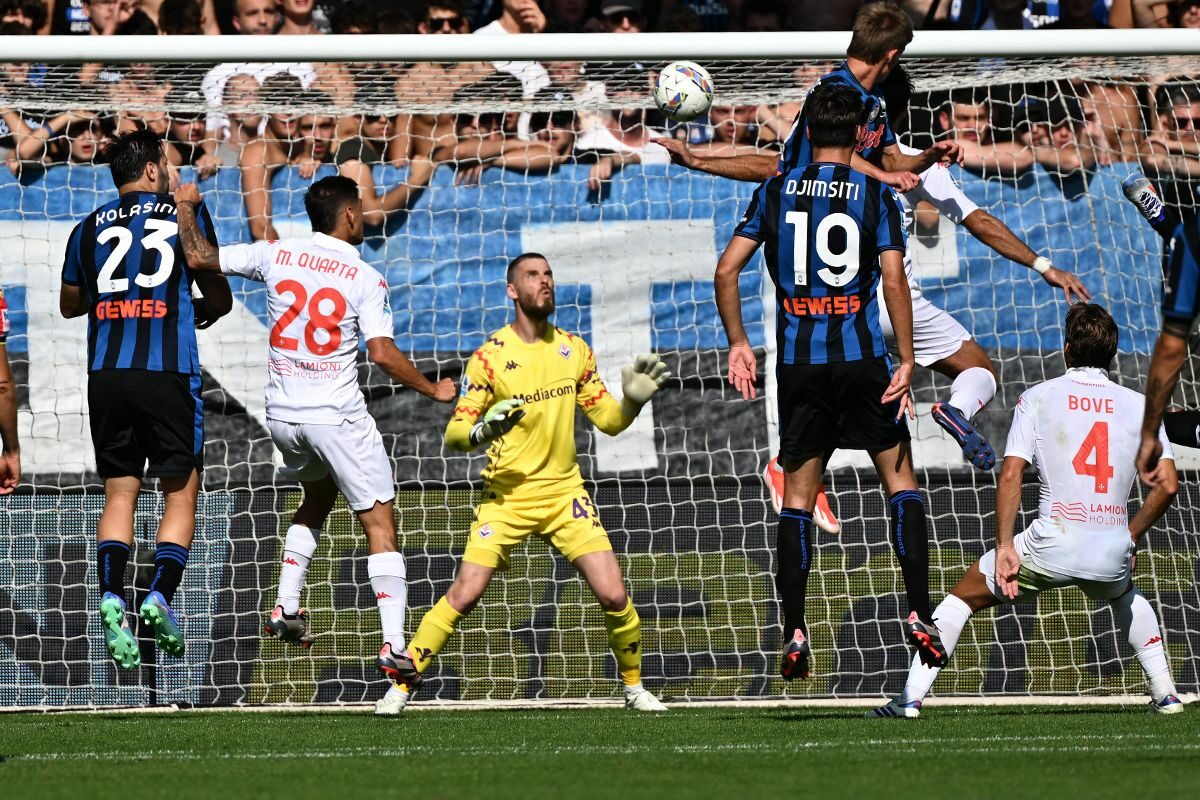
<point>613,598</point>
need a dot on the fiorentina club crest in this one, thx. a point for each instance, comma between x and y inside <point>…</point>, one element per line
<point>485,531</point>
<point>564,351</point>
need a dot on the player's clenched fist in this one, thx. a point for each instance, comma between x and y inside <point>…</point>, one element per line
<point>187,193</point>
<point>643,379</point>
<point>498,420</point>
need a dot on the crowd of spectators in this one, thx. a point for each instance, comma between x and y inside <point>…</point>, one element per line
<point>214,117</point>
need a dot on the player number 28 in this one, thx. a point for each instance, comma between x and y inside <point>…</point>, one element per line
<point>845,262</point>
<point>159,232</point>
<point>318,320</point>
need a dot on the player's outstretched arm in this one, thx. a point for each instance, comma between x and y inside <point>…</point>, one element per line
<point>203,256</point>
<point>1170,351</point>
<point>1157,502</point>
<point>945,152</point>
<point>898,299</point>
<point>750,167</point>
<point>1008,503</point>
<point>743,366</point>
<point>996,235</point>
<point>384,354</point>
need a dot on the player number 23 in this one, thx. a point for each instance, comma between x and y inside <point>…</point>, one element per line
<point>845,263</point>
<point>159,233</point>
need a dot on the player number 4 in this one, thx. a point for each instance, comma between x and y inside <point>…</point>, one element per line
<point>1100,470</point>
<point>317,319</point>
<point>846,262</point>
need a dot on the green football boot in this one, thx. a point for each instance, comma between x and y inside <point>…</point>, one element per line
<point>121,644</point>
<point>158,615</point>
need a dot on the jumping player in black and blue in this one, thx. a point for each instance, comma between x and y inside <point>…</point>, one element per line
<point>1180,231</point>
<point>830,234</point>
<point>126,270</point>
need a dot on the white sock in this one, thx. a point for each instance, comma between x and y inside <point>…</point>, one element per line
<point>973,389</point>
<point>951,617</point>
<point>633,688</point>
<point>1136,619</point>
<point>389,582</point>
<point>298,548</point>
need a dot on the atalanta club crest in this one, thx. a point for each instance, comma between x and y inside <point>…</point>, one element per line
<point>564,351</point>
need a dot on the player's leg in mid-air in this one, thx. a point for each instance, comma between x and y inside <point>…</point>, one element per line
<point>349,458</point>
<point>977,591</point>
<point>942,344</point>
<point>152,423</point>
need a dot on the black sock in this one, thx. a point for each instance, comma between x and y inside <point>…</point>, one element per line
<point>793,553</point>
<point>1183,427</point>
<point>910,540</point>
<point>169,561</point>
<point>111,558</point>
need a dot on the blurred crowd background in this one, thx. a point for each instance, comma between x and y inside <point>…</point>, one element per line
<point>352,117</point>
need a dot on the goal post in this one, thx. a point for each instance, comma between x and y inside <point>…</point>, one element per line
<point>633,252</point>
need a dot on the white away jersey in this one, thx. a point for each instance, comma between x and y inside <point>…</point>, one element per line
<point>937,187</point>
<point>321,298</point>
<point>1082,431</point>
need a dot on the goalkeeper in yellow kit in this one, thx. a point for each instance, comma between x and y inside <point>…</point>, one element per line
<point>518,399</point>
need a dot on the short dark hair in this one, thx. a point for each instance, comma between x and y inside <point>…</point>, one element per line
<point>326,198</point>
<point>896,91</point>
<point>518,261</point>
<point>1092,336</point>
<point>879,27</point>
<point>35,10</point>
<point>178,17</point>
<point>834,111</point>
<point>354,15</point>
<point>128,155</point>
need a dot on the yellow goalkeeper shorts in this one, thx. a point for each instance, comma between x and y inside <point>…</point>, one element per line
<point>568,520</point>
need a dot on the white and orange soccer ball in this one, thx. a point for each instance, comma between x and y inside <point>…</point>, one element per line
<point>684,91</point>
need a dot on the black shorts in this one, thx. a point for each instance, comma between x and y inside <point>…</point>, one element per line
<point>141,416</point>
<point>827,407</point>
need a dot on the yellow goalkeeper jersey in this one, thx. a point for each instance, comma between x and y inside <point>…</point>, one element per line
<point>553,376</point>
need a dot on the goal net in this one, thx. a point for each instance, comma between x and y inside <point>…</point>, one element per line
<point>503,155</point>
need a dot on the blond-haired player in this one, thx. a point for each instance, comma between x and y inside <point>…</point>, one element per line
<point>518,398</point>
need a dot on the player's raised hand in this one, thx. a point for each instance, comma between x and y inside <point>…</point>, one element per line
<point>444,391</point>
<point>1070,285</point>
<point>187,193</point>
<point>743,370</point>
<point>643,379</point>
<point>680,154</point>
<point>498,420</point>
<point>947,152</point>
<point>901,181</point>
<point>1008,565</point>
<point>901,389</point>
<point>10,470</point>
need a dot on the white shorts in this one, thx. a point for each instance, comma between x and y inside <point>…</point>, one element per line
<point>351,452</point>
<point>1031,580</point>
<point>936,334</point>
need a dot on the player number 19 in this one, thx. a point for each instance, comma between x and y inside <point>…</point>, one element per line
<point>845,262</point>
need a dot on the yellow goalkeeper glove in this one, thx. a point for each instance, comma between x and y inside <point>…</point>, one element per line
<point>643,379</point>
<point>497,421</point>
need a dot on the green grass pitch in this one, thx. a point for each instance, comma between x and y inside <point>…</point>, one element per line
<point>1005,752</point>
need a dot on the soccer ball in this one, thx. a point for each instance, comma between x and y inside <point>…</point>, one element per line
<point>683,91</point>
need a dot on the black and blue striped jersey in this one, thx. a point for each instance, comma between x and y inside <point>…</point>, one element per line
<point>1181,270</point>
<point>875,135</point>
<point>128,258</point>
<point>822,228</point>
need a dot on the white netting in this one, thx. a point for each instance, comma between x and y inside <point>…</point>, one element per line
<point>494,169</point>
